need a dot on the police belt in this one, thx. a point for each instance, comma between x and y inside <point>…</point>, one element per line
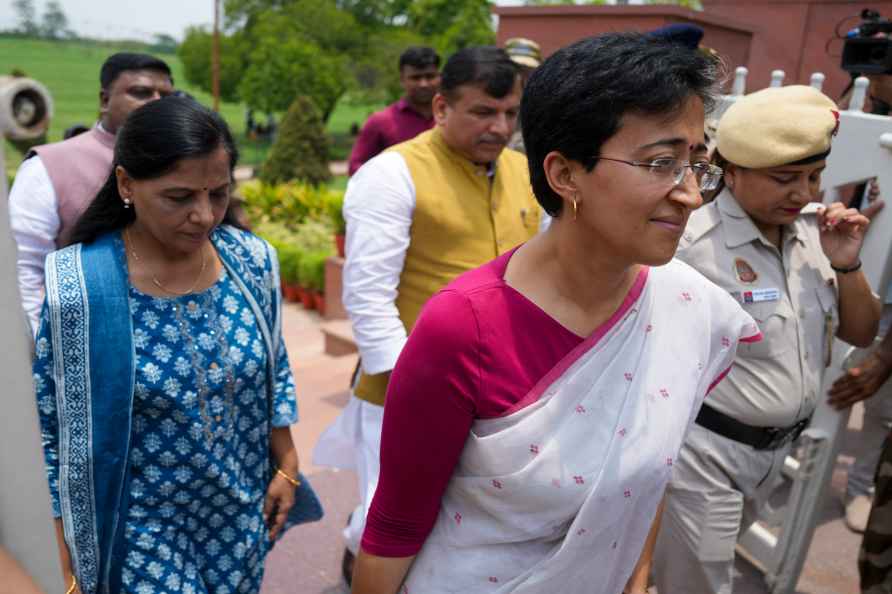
<point>759,438</point>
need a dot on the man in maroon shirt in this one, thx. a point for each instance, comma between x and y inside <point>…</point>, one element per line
<point>408,117</point>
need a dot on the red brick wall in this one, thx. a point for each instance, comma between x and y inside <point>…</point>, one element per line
<point>793,36</point>
<point>762,35</point>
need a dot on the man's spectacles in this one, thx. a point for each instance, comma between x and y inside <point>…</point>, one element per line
<point>707,175</point>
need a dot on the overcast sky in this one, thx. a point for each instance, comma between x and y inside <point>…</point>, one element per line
<point>132,19</point>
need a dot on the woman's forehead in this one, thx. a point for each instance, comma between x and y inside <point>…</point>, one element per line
<point>200,171</point>
<point>681,129</point>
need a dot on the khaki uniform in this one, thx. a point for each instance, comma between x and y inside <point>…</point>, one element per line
<point>719,484</point>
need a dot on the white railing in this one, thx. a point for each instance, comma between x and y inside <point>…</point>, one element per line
<point>862,150</point>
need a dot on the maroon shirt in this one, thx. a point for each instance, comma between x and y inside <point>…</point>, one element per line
<point>394,124</point>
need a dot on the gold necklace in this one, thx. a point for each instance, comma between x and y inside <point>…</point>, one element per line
<point>155,281</point>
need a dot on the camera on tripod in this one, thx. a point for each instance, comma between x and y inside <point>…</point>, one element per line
<point>864,52</point>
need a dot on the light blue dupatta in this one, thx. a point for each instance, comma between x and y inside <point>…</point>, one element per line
<point>92,342</point>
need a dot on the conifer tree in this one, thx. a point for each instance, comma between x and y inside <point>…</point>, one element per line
<point>300,151</point>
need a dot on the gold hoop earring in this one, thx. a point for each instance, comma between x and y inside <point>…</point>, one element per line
<point>575,208</point>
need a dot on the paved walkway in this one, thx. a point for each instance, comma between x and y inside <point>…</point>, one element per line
<point>307,560</point>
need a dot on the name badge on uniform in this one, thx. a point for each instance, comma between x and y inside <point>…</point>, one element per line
<point>756,295</point>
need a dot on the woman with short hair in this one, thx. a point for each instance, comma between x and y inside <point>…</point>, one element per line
<point>163,384</point>
<point>535,414</point>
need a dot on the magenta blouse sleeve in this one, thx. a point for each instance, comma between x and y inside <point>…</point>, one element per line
<point>431,404</point>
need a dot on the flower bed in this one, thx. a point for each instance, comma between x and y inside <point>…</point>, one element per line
<point>302,222</point>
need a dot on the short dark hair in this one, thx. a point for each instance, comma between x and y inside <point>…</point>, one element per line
<point>419,57</point>
<point>123,61</point>
<point>484,66</point>
<point>153,139</point>
<point>575,101</point>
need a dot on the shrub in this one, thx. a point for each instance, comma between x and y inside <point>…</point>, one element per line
<point>336,212</point>
<point>312,271</point>
<point>319,271</point>
<point>290,257</point>
<point>300,151</point>
<point>289,204</point>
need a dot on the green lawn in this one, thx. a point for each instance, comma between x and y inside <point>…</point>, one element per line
<point>70,70</point>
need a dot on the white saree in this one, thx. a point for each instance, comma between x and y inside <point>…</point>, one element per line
<point>558,495</point>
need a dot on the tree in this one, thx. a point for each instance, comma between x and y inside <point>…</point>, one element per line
<point>376,13</point>
<point>195,53</point>
<point>163,44</point>
<point>376,76</point>
<point>283,66</point>
<point>55,21</point>
<point>300,151</point>
<point>453,24</point>
<point>368,13</point>
<point>275,50</point>
<point>27,16</point>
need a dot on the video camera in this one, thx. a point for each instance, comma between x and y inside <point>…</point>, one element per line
<point>864,52</point>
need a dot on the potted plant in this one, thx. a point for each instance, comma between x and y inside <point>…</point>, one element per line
<point>319,281</point>
<point>305,274</point>
<point>289,261</point>
<point>336,212</point>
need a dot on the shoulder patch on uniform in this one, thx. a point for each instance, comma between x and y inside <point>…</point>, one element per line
<point>701,222</point>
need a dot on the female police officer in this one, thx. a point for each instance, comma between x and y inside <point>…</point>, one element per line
<point>795,268</point>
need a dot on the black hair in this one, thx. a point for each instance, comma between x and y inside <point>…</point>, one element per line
<point>576,100</point>
<point>419,57</point>
<point>484,66</point>
<point>153,139</point>
<point>123,61</point>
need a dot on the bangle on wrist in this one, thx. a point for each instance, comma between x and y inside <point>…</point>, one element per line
<point>854,268</point>
<point>290,479</point>
<point>73,585</point>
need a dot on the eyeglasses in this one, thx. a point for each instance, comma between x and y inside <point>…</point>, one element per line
<point>707,175</point>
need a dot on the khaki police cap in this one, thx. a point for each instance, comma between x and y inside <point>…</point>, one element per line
<point>524,52</point>
<point>777,126</point>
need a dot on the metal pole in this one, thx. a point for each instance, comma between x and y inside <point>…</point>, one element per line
<point>215,57</point>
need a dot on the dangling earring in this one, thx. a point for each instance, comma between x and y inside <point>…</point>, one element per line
<point>126,203</point>
<point>575,208</point>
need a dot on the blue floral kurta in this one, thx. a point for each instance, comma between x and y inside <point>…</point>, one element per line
<point>199,442</point>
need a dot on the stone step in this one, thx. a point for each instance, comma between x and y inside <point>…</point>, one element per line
<point>339,339</point>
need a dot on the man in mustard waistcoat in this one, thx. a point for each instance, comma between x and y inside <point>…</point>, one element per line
<point>418,215</point>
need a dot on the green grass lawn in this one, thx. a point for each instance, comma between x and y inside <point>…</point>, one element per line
<point>70,70</point>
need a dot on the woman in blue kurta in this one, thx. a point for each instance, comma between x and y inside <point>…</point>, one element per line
<point>163,383</point>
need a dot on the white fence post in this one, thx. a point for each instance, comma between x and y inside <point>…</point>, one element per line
<point>739,87</point>
<point>777,78</point>
<point>859,94</point>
